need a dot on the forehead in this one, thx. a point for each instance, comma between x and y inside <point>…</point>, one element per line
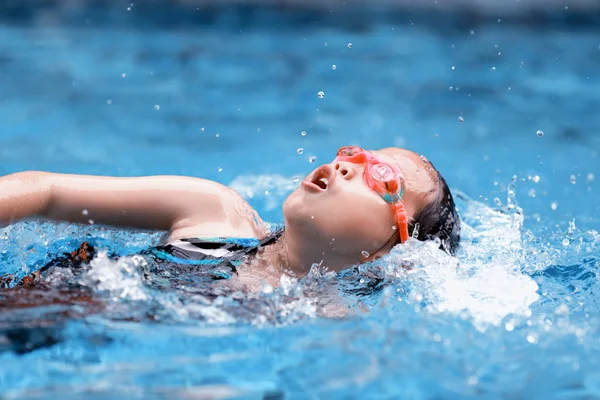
<point>419,175</point>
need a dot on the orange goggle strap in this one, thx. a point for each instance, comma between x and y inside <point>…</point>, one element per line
<point>401,220</point>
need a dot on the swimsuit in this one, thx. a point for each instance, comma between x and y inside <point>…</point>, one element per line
<point>180,261</point>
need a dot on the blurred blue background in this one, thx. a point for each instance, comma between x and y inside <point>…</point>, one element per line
<point>122,88</point>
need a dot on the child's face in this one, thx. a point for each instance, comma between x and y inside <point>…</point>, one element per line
<point>334,210</point>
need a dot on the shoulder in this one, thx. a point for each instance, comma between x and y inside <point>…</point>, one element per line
<point>233,218</point>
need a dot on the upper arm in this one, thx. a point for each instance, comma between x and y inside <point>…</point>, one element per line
<point>180,204</point>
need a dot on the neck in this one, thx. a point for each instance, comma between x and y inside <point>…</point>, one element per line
<point>301,253</point>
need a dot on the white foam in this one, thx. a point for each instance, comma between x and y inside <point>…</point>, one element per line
<point>484,280</point>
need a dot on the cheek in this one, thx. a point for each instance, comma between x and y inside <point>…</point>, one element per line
<point>356,221</point>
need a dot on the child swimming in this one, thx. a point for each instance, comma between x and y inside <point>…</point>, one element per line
<point>352,210</point>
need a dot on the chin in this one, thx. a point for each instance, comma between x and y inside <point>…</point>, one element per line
<point>298,213</point>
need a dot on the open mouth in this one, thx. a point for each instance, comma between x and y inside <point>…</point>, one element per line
<point>321,179</point>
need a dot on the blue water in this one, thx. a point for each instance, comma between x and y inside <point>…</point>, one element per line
<point>225,96</point>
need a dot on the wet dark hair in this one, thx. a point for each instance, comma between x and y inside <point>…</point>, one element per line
<point>438,219</point>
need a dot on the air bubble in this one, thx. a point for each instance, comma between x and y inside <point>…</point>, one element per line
<point>461,119</point>
<point>321,94</point>
<point>540,133</point>
<point>295,179</point>
<point>217,135</point>
<point>573,179</point>
<point>157,107</point>
<point>365,254</point>
<point>300,150</point>
<point>312,159</point>
<point>563,309</point>
<point>509,326</point>
<point>590,177</point>
<point>532,338</point>
<point>333,67</point>
<point>492,69</point>
<point>451,88</point>
<point>536,179</point>
<point>303,133</point>
<point>202,129</point>
<point>394,227</point>
<point>124,75</point>
<point>349,45</point>
<point>219,169</point>
<point>553,206</point>
<point>109,102</point>
<point>85,212</point>
<point>566,242</point>
<point>497,202</point>
<point>91,222</point>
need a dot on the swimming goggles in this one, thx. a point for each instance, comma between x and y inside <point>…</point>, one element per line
<point>383,179</point>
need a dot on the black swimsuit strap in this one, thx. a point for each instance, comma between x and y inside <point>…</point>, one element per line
<point>270,239</point>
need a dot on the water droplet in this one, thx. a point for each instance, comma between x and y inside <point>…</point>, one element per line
<point>219,169</point>
<point>461,119</point>
<point>365,254</point>
<point>553,206</point>
<point>539,133</point>
<point>312,159</point>
<point>590,177</point>
<point>349,45</point>
<point>91,222</point>
<point>492,69</point>
<point>157,107</point>
<point>566,242</point>
<point>85,212</point>
<point>573,179</point>
<point>563,309</point>
<point>321,94</point>
<point>295,179</point>
<point>394,227</point>
<point>532,338</point>
<point>300,150</point>
<point>109,102</point>
<point>451,88</point>
<point>333,67</point>
<point>424,159</point>
<point>303,133</point>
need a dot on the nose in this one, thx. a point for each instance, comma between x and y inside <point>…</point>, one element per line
<point>345,170</point>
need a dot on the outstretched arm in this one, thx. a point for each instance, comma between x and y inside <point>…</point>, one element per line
<point>180,204</point>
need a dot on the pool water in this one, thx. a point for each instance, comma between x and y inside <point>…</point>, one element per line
<point>506,111</point>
